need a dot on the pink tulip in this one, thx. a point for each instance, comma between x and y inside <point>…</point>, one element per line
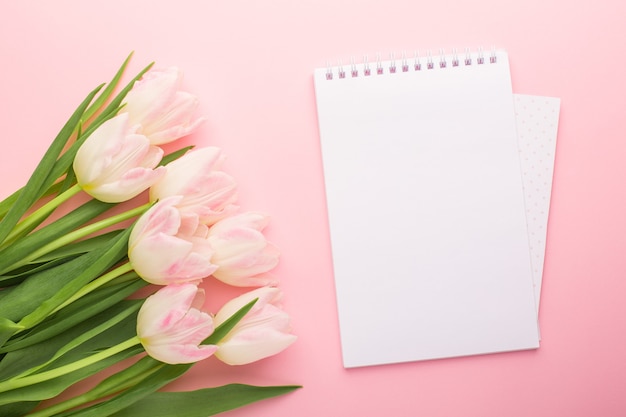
<point>263,332</point>
<point>167,246</point>
<point>115,164</point>
<point>241,251</point>
<point>162,112</point>
<point>171,326</point>
<point>206,191</point>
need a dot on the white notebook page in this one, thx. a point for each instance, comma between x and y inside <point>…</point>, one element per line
<point>426,212</point>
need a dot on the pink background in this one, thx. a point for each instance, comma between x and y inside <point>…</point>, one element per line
<point>251,64</point>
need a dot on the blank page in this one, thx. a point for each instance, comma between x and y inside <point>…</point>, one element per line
<point>426,210</point>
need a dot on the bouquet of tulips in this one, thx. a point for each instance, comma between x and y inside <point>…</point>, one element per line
<point>98,288</point>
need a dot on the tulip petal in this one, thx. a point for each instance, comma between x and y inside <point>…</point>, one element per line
<point>243,352</point>
<point>159,109</point>
<point>161,218</point>
<point>170,327</point>
<point>98,150</point>
<point>165,136</point>
<point>149,94</point>
<point>178,354</point>
<point>252,220</point>
<point>263,331</point>
<point>242,253</point>
<point>207,192</point>
<point>165,306</point>
<point>265,295</point>
<point>114,164</point>
<point>184,171</point>
<point>175,121</point>
<point>164,247</point>
<point>130,185</point>
<point>164,259</point>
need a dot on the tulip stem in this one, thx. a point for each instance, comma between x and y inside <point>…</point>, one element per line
<point>35,218</point>
<point>96,283</point>
<point>92,228</point>
<point>99,392</point>
<point>25,381</point>
<point>80,233</point>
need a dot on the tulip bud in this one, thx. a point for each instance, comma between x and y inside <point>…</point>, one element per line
<point>161,111</point>
<point>205,191</point>
<point>167,246</point>
<point>171,326</point>
<point>241,252</point>
<point>115,164</point>
<point>264,331</point>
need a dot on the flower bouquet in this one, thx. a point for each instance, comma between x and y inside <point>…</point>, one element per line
<point>118,290</point>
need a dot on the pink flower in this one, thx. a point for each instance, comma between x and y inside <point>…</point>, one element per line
<point>167,246</point>
<point>162,112</point>
<point>206,191</point>
<point>263,332</point>
<point>241,251</point>
<point>171,326</point>
<point>115,164</point>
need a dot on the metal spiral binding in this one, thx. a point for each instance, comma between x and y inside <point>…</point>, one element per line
<point>441,61</point>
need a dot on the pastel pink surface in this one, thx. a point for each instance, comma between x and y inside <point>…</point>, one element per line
<point>251,65</point>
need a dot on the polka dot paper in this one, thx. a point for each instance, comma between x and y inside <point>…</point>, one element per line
<point>537,121</point>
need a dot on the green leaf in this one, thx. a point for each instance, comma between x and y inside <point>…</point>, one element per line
<point>118,323</point>
<point>17,409</point>
<point>174,155</point>
<point>18,253</point>
<point>147,386</point>
<point>20,274</point>
<point>41,293</point>
<point>5,292</point>
<point>159,378</point>
<point>222,330</point>
<point>108,91</point>
<point>77,312</point>
<point>97,105</point>
<point>69,181</point>
<point>52,388</point>
<point>64,163</point>
<point>93,264</point>
<point>126,378</point>
<point>7,329</point>
<point>36,185</point>
<point>201,403</point>
<point>65,354</point>
<point>37,288</point>
<point>80,247</point>
<point>25,358</point>
<point>6,204</point>
<point>53,166</point>
<point>117,101</point>
<point>36,217</point>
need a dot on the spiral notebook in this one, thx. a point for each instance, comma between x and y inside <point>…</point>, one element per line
<point>426,208</point>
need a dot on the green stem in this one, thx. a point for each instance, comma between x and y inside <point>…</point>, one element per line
<point>33,219</point>
<point>25,381</point>
<point>95,394</point>
<point>96,283</point>
<point>80,233</point>
<point>92,228</point>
